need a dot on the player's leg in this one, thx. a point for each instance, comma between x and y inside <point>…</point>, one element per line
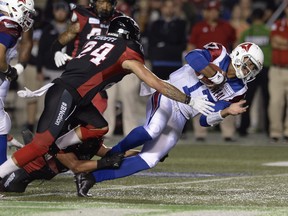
<point>159,110</point>
<point>3,148</point>
<point>58,106</point>
<point>153,151</point>
<point>5,126</point>
<point>91,124</point>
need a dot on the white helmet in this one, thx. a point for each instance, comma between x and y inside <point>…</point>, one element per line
<point>241,55</point>
<point>21,11</point>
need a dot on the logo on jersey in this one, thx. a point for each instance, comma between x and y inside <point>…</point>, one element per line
<point>63,109</point>
<point>93,20</point>
<point>246,46</point>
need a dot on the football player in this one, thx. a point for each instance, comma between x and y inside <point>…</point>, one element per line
<point>166,118</point>
<point>15,18</point>
<point>48,166</point>
<point>85,23</point>
<point>103,61</point>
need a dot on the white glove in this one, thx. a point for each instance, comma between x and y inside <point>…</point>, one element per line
<point>27,93</point>
<point>202,105</point>
<point>19,67</point>
<point>61,58</point>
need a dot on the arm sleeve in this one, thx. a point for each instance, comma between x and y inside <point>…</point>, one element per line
<point>220,105</point>
<point>198,59</point>
<point>7,40</point>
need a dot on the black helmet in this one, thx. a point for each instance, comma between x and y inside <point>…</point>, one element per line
<point>125,27</point>
<point>104,14</point>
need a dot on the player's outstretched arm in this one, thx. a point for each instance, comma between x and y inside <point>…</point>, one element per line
<point>166,88</point>
<point>234,109</point>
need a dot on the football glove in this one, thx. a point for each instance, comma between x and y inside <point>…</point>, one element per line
<point>60,58</point>
<point>11,74</point>
<point>202,105</point>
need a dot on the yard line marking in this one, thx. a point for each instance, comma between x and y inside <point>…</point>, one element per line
<point>116,187</point>
<point>279,163</point>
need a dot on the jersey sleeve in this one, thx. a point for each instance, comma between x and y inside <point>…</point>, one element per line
<point>7,40</point>
<point>130,54</point>
<point>219,105</point>
<point>198,59</point>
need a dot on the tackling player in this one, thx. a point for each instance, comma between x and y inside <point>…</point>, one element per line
<point>48,166</point>
<point>85,23</point>
<point>15,18</point>
<point>166,118</point>
<point>103,61</point>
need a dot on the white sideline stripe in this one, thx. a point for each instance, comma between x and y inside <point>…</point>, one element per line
<point>278,164</point>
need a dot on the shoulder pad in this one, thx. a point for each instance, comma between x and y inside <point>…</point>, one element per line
<point>10,27</point>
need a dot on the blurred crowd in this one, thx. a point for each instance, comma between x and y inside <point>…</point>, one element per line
<point>170,29</point>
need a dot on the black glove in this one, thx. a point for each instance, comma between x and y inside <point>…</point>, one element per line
<point>110,162</point>
<point>11,74</point>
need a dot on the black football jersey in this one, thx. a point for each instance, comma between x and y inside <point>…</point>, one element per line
<point>90,25</point>
<point>99,65</point>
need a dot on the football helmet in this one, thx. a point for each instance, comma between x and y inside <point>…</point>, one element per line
<point>103,13</point>
<point>125,27</point>
<point>247,59</point>
<point>21,11</point>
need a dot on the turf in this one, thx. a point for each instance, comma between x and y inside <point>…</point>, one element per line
<point>212,178</point>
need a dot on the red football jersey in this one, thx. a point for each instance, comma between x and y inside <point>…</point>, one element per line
<point>99,65</point>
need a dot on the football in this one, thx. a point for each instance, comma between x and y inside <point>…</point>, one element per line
<point>205,79</point>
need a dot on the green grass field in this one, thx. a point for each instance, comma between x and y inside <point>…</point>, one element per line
<point>205,179</point>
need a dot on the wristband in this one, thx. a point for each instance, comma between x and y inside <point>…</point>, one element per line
<point>24,64</point>
<point>187,99</point>
<point>214,118</point>
<point>218,78</point>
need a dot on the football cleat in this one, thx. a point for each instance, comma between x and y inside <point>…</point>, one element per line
<point>84,181</point>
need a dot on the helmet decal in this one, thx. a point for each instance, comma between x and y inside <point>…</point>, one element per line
<point>246,46</point>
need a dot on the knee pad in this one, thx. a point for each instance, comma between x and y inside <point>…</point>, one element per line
<point>153,129</point>
<point>88,133</point>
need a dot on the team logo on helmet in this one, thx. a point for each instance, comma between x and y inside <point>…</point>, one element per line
<point>246,46</point>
